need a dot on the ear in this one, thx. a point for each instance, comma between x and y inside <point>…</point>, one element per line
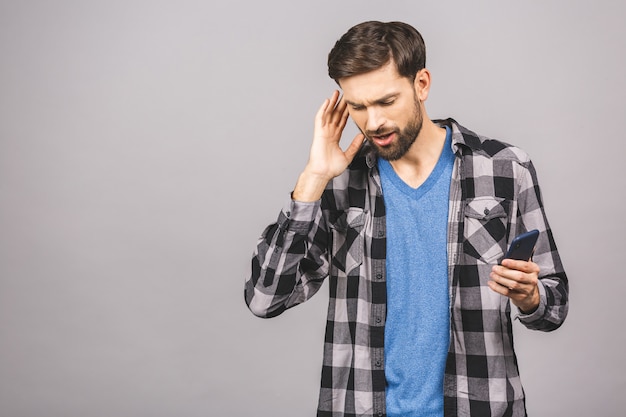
<point>422,84</point>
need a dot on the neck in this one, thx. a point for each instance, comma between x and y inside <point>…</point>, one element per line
<point>417,164</point>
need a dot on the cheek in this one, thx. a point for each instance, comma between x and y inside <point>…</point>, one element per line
<point>400,119</point>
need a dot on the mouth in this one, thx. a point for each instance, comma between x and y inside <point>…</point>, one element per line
<point>383,140</point>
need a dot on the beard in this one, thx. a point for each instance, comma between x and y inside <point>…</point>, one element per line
<point>404,137</point>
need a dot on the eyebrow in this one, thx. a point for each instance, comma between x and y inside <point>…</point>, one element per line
<point>377,101</point>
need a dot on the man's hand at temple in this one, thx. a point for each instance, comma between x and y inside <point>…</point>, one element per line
<point>326,159</point>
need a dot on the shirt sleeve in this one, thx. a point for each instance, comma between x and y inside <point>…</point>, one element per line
<point>553,283</point>
<point>290,261</point>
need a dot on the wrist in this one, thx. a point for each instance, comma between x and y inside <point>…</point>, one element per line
<point>532,305</point>
<point>309,187</point>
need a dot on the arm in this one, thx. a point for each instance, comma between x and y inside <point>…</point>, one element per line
<point>291,258</point>
<point>539,288</point>
<point>290,261</point>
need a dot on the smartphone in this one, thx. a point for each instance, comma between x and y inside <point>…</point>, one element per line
<point>522,246</point>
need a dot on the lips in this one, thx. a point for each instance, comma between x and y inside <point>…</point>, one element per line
<point>383,140</point>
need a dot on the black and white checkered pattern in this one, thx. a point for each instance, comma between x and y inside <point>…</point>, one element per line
<point>494,196</point>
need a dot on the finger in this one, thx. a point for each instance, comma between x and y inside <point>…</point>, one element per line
<point>501,281</point>
<point>346,112</point>
<point>332,103</point>
<point>354,146</point>
<point>500,289</point>
<point>524,266</point>
<point>340,110</point>
<point>511,266</point>
<point>336,114</point>
<point>510,275</point>
<point>343,117</point>
<point>319,116</point>
<point>515,281</point>
<point>512,286</point>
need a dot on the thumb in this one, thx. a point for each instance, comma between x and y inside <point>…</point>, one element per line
<point>354,147</point>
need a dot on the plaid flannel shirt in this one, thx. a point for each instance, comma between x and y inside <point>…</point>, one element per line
<point>494,196</point>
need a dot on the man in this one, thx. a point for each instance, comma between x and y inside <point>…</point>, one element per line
<point>410,223</point>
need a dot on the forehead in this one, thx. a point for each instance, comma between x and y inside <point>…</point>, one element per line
<point>371,86</point>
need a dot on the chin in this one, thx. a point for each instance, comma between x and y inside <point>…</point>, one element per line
<point>390,153</point>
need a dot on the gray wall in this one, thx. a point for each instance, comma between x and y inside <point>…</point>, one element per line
<point>144,146</point>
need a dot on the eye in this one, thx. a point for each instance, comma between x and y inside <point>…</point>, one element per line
<point>387,103</point>
<point>357,107</point>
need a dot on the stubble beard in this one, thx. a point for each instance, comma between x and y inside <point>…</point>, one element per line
<point>405,137</point>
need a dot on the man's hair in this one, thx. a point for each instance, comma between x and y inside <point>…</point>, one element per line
<point>371,45</point>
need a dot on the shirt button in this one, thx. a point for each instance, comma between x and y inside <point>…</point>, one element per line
<point>379,276</point>
<point>377,364</point>
<point>381,233</point>
<point>486,211</point>
<point>380,414</point>
<point>378,320</point>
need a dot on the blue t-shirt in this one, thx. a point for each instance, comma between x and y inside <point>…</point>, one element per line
<point>417,330</point>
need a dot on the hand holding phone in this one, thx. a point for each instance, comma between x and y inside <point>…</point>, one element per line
<point>522,246</point>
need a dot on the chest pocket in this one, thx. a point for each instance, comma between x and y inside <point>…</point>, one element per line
<point>347,247</point>
<point>485,229</point>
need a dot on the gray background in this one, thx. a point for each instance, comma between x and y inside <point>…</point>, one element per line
<point>144,146</point>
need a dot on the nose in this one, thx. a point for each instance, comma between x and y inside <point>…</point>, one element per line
<point>375,119</point>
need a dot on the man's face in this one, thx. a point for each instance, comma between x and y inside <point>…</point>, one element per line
<point>385,108</point>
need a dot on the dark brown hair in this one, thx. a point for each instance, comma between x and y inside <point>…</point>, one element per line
<point>370,45</point>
